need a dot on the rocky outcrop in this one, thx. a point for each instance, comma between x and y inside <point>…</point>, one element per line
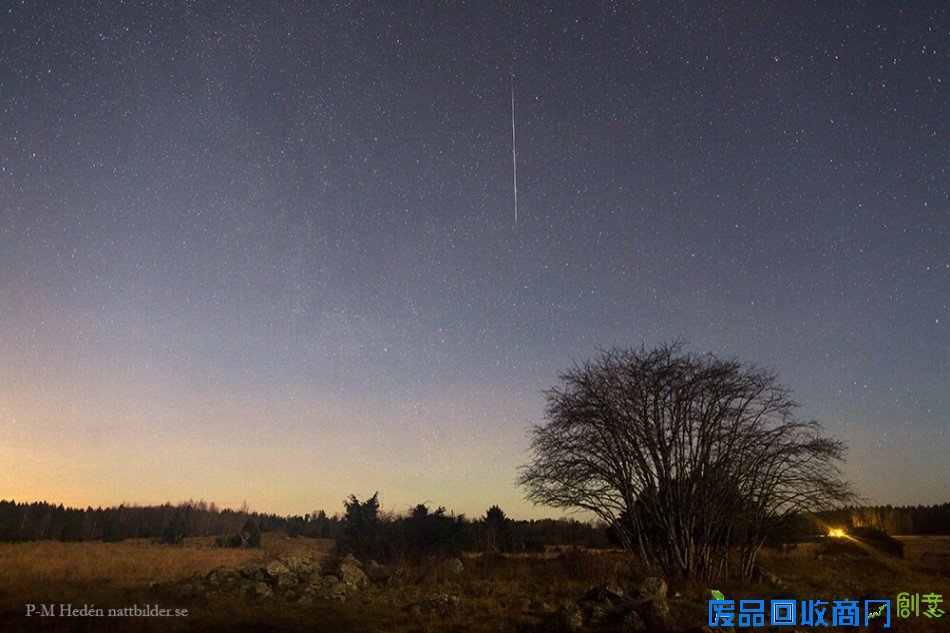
<point>327,587</point>
<point>656,614</point>
<point>652,588</point>
<point>275,568</point>
<point>608,593</point>
<point>569,617</point>
<point>289,578</point>
<point>350,572</point>
<point>453,566</point>
<point>257,589</point>
<point>609,607</point>
<point>439,602</point>
<point>631,622</point>
<point>301,566</point>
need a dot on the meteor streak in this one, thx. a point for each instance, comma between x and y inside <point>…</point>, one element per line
<point>514,149</point>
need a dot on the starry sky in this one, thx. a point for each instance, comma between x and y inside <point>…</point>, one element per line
<point>266,252</point>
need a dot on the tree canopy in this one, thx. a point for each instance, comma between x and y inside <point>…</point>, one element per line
<point>682,454</point>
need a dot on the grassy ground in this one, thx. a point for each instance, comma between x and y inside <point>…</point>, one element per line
<point>497,593</point>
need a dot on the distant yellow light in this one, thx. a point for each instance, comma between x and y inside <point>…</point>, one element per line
<point>836,533</point>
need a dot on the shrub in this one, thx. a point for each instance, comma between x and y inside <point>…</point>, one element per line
<point>361,533</point>
<point>254,536</point>
<point>234,540</point>
<point>175,530</point>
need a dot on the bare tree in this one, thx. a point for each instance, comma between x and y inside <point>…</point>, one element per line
<point>683,454</point>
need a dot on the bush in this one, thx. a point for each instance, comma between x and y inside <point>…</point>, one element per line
<point>235,540</point>
<point>430,534</point>
<point>254,535</point>
<point>174,531</point>
<point>361,533</point>
<point>420,535</point>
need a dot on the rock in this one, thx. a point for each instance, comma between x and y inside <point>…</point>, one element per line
<point>215,576</point>
<point>453,566</point>
<point>594,611</point>
<point>440,602</point>
<point>316,584</point>
<point>222,578</point>
<point>291,595</point>
<point>330,579</point>
<point>275,568</point>
<point>258,589</point>
<point>301,567</point>
<point>254,571</point>
<point>566,619</point>
<point>355,579</point>
<point>335,591</point>
<point>350,560</point>
<point>285,579</point>
<point>352,574</point>
<point>656,613</point>
<point>606,593</point>
<point>651,588</point>
<point>632,623</point>
<point>328,587</point>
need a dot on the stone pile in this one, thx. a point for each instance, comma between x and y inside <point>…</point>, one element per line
<point>643,608</point>
<point>290,578</point>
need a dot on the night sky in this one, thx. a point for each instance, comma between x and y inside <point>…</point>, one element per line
<point>268,253</point>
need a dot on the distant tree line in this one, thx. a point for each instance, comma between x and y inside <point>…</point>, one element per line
<point>414,535</point>
<point>170,523</point>
<point>363,529</point>
<point>927,520</point>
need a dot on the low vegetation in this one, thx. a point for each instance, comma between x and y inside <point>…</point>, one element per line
<point>492,592</point>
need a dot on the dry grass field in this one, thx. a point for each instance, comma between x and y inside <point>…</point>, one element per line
<point>51,571</point>
<point>928,553</point>
<point>496,593</point>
